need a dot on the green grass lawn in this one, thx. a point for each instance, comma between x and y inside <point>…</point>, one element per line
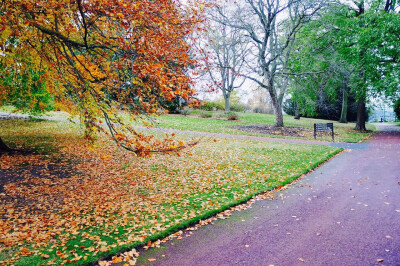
<point>58,114</point>
<point>219,124</point>
<point>72,203</point>
<point>343,132</point>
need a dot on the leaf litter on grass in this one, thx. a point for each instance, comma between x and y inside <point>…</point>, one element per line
<point>106,200</point>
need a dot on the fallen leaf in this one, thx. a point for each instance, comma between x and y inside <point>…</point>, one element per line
<point>116,259</point>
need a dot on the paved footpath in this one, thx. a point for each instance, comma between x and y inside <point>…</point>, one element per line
<point>346,212</point>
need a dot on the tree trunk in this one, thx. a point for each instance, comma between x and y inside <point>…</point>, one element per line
<point>275,103</point>
<point>3,147</point>
<point>343,116</point>
<point>361,115</point>
<point>227,104</point>
<point>296,112</point>
<point>277,111</point>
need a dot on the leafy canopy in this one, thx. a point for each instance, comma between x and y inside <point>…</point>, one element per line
<point>97,57</point>
<point>357,45</point>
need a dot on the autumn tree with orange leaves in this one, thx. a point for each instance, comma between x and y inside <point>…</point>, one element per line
<point>99,57</point>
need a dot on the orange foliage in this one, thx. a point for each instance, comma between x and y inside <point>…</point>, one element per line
<point>103,56</point>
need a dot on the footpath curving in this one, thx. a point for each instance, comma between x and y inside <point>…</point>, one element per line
<point>347,212</point>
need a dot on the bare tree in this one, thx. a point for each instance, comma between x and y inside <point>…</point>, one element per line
<point>271,27</point>
<point>224,55</point>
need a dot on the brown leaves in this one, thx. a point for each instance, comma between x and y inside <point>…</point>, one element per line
<point>82,201</point>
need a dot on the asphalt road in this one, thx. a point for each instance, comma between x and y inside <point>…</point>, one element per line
<point>346,212</point>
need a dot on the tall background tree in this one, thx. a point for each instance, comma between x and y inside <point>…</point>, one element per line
<point>98,56</point>
<point>270,28</point>
<point>357,41</point>
<point>223,51</point>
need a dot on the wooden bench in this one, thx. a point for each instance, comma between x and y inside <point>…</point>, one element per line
<point>323,127</point>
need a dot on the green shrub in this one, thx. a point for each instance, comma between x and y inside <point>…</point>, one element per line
<point>205,115</point>
<point>232,116</point>
<point>238,107</point>
<point>210,106</point>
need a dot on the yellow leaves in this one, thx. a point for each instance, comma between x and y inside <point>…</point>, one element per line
<point>108,198</point>
<point>5,34</point>
<point>116,259</point>
<point>103,248</point>
<point>136,81</point>
<point>89,62</point>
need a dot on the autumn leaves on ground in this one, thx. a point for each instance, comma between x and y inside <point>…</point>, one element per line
<point>73,203</point>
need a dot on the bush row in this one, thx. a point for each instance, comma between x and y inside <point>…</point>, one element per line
<point>213,105</point>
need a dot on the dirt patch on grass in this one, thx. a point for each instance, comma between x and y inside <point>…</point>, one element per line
<point>277,131</point>
<point>23,177</point>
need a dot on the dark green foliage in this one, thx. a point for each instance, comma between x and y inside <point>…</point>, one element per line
<point>30,94</point>
<point>324,107</point>
<point>353,47</point>
<point>397,108</point>
<point>175,106</point>
<point>289,107</point>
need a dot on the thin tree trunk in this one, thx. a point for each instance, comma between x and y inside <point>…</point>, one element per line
<point>343,116</point>
<point>361,115</point>
<point>227,104</point>
<point>3,147</point>
<point>296,111</point>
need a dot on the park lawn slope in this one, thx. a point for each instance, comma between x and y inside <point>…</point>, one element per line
<point>219,124</point>
<point>74,203</point>
<point>344,132</point>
